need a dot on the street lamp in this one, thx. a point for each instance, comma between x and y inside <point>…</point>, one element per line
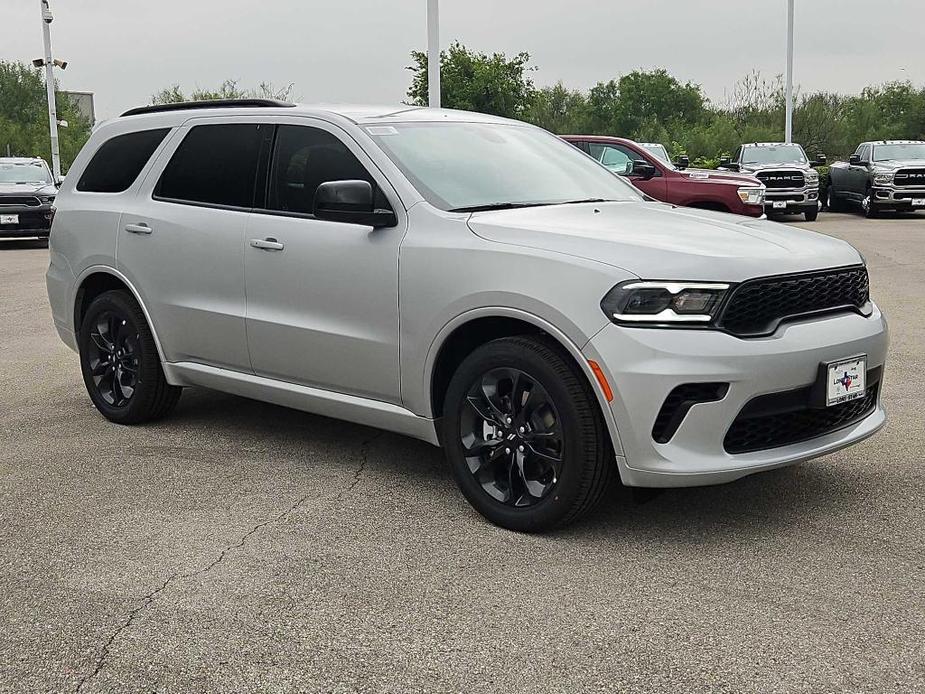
<point>433,53</point>
<point>49,64</point>
<point>789,117</point>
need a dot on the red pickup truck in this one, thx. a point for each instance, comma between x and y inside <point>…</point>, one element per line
<point>710,190</point>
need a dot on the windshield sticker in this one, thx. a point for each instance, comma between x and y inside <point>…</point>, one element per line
<point>381,130</point>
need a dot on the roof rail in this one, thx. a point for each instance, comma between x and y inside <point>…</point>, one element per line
<point>210,103</point>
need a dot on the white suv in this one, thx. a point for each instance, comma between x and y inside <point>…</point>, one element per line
<point>467,280</point>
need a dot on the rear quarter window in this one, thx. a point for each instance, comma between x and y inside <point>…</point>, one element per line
<point>119,160</point>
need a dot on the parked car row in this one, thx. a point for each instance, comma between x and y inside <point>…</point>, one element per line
<point>468,280</point>
<point>772,178</point>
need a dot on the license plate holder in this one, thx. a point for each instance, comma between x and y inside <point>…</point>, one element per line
<point>845,380</point>
<point>779,204</point>
<point>9,219</point>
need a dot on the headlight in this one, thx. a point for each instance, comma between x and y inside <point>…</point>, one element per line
<point>883,178</point>
<point>812,176</point>
<point>637,302</point>
<point>752,196</point>
<point>47,198</point>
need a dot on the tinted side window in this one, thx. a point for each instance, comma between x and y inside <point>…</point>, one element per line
<point>304,159</point>
<point>117,163</point>
<point>215,164</point>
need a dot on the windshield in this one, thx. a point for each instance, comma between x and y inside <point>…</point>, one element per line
<point>774,154</point>
<point>657,150</point>
<point>26,172</point>
<point>458,166</point>
<point>912,150</point>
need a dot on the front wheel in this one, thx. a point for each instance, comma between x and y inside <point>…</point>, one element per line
<point>867,207</point>
<point>524,435</point>
<point>120,364</point>
<point>811,214</point>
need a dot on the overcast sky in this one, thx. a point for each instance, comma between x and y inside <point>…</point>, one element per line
<point>356,50</point>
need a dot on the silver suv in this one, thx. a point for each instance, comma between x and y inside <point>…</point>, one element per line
<point>467,280</point>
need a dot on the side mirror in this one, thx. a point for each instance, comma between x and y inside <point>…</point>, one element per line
<point>683,162</point>
<point>350,202</point>
<point>854,159</point>
<point>725,161</point>
<point>643,169</point>
<point>821,160</point>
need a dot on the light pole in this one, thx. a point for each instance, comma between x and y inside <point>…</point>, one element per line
<point>47,19</point>
<point>433,53</point>
<point>789,118</point>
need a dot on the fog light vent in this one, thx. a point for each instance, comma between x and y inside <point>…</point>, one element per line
<point>679,401</point>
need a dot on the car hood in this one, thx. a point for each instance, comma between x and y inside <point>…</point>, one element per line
<point>27,189</point>
<point>749,168</point>
<point>904,164</point>
<point>660,241</point>
<point>729,177</point>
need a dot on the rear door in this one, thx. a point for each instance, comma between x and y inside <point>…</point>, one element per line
<point>181,240</point>
<point>322,296</point>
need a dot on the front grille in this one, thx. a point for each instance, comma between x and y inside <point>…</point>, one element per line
<point>781,179</point>
<point>789,197</point>
<point>19,201</point>
<point>679,401</point>
<point>757,307</point>
<point>759,432</point>
<point>909,177</point>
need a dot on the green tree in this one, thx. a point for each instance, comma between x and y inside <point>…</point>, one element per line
<point>558,109</point>
<point>24,116</point>
<point>476,81</point>
<point>228,89</point>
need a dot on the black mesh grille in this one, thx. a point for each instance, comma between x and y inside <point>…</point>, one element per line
<point>758,433</point>
<point>677,404</point>
<point>19,200</point>
<point>757,307</point>
<point>909,177</point>
<point>781,179</point>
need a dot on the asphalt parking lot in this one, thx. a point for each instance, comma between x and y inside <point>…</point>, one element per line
<point>242,547</point>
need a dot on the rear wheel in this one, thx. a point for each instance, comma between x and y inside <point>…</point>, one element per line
<point>524,436</point>
<point>835,204</point>
<point>120,364</point>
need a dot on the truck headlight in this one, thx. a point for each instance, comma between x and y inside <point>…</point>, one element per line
<point>639,302</point>
<point>47,198</point>
<point>752,195</point>
<point>812,177</point>
<point>883,178</point>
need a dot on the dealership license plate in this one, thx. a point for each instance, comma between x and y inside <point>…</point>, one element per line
<point>9,219</point>
<point>779,204</point>
<point>846,380</point>
<point>918,202</point>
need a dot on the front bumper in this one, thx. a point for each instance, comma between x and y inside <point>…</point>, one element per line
<point>644,365</point>
<point>900,198</point>
<point>34,220</point>
<point>796,200</point>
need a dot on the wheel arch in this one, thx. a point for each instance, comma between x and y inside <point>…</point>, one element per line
<point>101,278</point>
<point>466,332</point>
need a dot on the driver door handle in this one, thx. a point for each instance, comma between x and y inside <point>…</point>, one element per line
<point>140,228</point>
<point>267,244</point>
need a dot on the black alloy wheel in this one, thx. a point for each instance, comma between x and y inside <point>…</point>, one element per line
<point>524,434</point>
<point>120,363</point>
<point>512,437</point>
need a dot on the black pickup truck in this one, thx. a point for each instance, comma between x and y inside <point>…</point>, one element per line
<point>27,192</point>
<point>884,175</point>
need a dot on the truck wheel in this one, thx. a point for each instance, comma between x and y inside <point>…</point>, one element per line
<point>811,213</point>
<point>120,364</point>
<point>524,435</point>
<point>868,207</point>
<point>836,204</point>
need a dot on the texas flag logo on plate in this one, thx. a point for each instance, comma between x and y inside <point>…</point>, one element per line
<point>846,380</point>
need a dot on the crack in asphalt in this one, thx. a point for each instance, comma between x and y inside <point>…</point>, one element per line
<point>146,600</point>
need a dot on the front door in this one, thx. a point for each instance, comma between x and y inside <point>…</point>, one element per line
<point>620,160</point>
<point>322,296</point>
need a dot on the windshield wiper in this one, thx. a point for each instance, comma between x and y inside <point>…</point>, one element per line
<point>498,206</point>
<point>578,202</point>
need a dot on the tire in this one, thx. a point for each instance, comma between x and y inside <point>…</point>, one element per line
<point>811,214</point>
<point>133,390</point>
<point>868,207</point>
<point>835,204</point>
<point>525,491</point>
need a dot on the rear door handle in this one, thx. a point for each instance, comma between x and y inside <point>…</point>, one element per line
<point>268,244</point>
<point>140,228</point>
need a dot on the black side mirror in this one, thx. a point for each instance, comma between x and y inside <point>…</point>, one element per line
<point>350,202</point>
<point>821,160</point>
<point>683,162</point>
<point>725,161</point>
<point>643,169</point>
<point>854,159</point>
